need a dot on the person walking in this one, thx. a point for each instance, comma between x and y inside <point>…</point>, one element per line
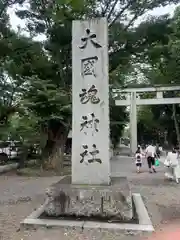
<point>138,158</point>
<point>172,162</point>
<point>150,154</point>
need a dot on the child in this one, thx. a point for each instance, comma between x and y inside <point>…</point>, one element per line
<point>138,157</point>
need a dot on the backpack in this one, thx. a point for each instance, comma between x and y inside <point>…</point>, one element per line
<point>138,158</point>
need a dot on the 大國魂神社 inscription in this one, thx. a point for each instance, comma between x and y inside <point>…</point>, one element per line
<point>90,156</point>
<point>88,66</point>
<point>89,37</point>
<point>90,102</point>
<point>89,95</point>
<point>91,122</point>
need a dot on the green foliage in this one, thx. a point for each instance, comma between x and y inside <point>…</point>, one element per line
<point>163,59</point>
<point>39,73</point>
<point>25,128</point>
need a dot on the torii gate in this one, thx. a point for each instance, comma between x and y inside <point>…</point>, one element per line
<point>133,99</point>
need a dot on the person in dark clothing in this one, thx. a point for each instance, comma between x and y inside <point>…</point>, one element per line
<point>151,155</point>
<point>158,152</point>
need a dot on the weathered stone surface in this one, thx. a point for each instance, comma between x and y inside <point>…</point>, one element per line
<point>90,102</point>
<point>113,201</point>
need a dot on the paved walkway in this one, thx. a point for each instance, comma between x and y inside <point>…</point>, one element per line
<point>16,188</point>
<point>125,166</point>
<point>20,189</point>
<point>19,196</point>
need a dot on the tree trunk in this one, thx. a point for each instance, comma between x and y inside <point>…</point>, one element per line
<point>56,158</point>
<point>176,124</point>
<point>23,156</point>
<point>53,153</point>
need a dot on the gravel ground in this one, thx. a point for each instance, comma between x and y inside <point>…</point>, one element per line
<point>21,195</point>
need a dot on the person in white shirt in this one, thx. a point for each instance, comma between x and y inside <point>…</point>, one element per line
<point>172,162</point>
<point>150,155</point>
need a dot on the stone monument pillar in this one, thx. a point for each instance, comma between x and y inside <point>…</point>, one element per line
<point>89,191</point>
<point>90,86</point>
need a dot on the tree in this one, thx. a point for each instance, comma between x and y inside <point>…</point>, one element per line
<point>163,60</point>
<point>44,69</point>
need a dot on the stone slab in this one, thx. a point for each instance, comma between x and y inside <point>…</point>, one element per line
<point>143,215</point>
<point>34,221</point>
<point>117,226</point>
<point>90,102</point>
<point>112,201</point>
<point>8,167</point>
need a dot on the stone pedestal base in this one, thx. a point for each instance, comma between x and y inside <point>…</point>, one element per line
<point>110,202</point>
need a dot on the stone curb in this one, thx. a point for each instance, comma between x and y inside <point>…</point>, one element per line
<point>145,224</point>
<point>8,167</point>
<point>12,166</point>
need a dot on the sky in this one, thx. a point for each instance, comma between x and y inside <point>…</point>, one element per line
<point>160,11</point>
<point>15,21</point>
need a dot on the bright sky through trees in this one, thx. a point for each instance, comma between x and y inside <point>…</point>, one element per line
<point>15,21</point>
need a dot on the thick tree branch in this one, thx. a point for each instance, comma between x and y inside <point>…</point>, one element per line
<point>106,8</point>
<point>112,9</point>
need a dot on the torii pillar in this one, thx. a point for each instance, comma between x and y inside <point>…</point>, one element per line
<point>133,122</point>
<point>131,101</point>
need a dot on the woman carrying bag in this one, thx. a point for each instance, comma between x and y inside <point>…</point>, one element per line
<point>172,162</point>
